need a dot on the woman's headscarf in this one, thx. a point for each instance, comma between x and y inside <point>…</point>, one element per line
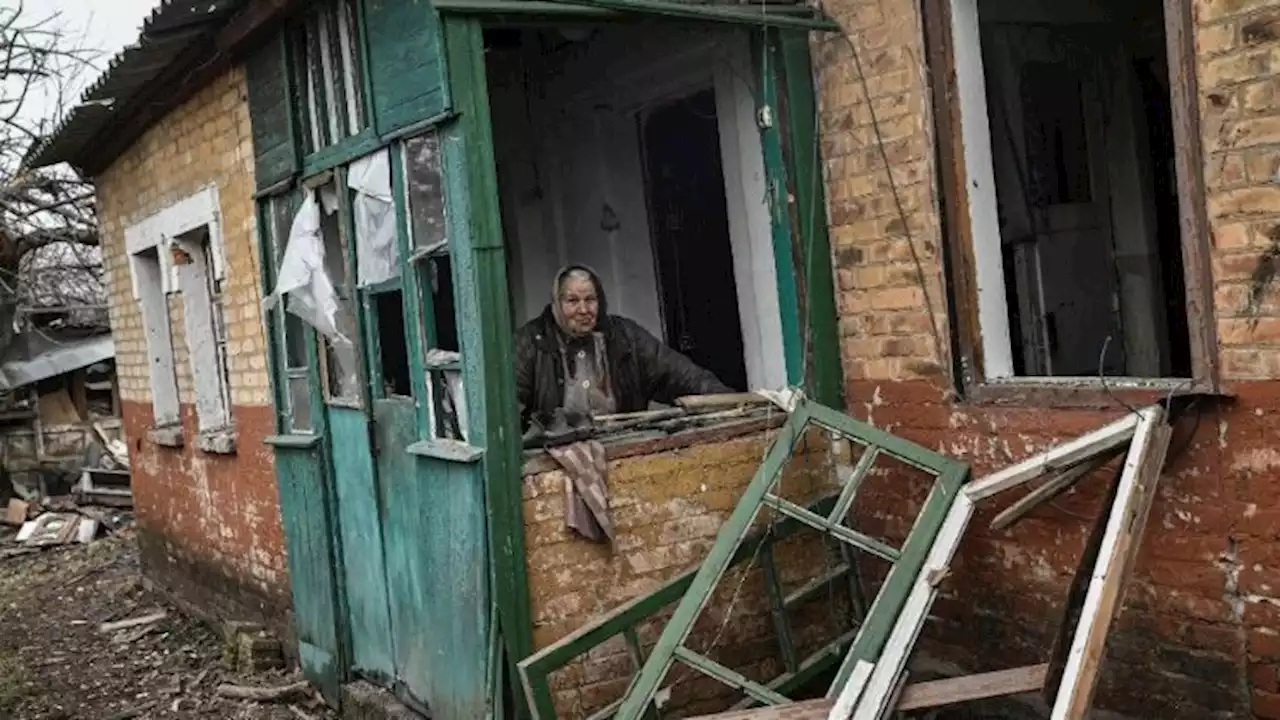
<point>582,271</point>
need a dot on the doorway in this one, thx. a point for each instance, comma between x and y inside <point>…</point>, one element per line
<point>689,220</point>
<point>640,156</point>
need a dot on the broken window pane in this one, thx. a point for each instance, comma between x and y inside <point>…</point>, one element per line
<point>329,72</point>
<point>426,190</point>
<point>393,349</point>
<point>300,403</point>
<point>342,362</point>
<point>438,280</point>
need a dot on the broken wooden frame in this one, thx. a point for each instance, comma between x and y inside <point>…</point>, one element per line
<point>535,670</point>
<point>870,639</point>
<point>873,688</point>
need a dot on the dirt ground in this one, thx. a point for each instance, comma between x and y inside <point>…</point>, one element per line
<point>55,664</point>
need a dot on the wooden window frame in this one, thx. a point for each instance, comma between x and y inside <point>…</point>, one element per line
<point>959,252</point>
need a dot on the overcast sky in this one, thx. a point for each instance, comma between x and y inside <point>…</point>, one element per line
<point>105,26</point>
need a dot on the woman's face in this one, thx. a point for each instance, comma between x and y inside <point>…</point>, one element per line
<point>579,305</point>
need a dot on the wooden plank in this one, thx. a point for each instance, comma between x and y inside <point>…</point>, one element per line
<point>851,692</point>
<point>1184,97</point>
<point>1125,525</point>
<point>1058,457</point>
<point>722,401</point>
<point>936,693</point>
<point>1050,490</point>
<point>878,695</point>
<point>916,696</point>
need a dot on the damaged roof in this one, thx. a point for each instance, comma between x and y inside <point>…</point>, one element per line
<point>177,36</point>
<point>43,357</point>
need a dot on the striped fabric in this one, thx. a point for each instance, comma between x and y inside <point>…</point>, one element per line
<point>586,491</point>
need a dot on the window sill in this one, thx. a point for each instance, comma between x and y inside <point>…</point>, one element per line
<point>292,442</point>
<point>217,442</point>
<point>636,444</point>
<point>1083,392</point>
<point>169,436</point>
<point>448,450</point>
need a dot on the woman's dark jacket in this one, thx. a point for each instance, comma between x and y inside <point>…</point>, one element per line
<point>641,368</point>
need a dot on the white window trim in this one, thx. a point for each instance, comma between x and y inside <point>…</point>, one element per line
<point>160,232</point>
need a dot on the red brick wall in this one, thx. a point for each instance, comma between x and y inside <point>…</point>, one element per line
<point>1199,634</point>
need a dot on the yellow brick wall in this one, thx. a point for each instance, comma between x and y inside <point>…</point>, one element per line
<point>204,141</point>
<point>668,508</point>
<point>209,523</point>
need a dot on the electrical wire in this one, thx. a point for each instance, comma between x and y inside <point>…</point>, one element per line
<point>897,197</point>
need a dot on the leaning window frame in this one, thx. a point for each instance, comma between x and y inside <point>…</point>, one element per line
<point>959,251</point>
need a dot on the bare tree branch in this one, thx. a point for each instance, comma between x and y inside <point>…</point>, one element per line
<point>49,254</point>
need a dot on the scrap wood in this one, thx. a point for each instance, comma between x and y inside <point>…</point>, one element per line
<point>916,696</point>
<point>1052,489</point>
<point>260,694</point>
<point>16,513</point>
<point>110,627</point>
<point>720,401</point>
<point>1125,524</point>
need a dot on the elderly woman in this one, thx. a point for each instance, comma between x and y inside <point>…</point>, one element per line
<point>578,357</point>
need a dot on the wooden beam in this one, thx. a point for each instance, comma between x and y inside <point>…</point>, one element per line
<point>917,696</point>
<point>937,693</point>
<point>1050,490</point>
<point>1056,458</point>
<point>1125,525</point>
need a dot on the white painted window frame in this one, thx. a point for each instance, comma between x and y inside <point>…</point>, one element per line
<point>161,232</point>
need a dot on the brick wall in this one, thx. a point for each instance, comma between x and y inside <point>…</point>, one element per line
<point>668,508</point>
<point>1197,636</point>
<point>210,524</point>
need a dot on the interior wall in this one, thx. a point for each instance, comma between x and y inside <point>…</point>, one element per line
<point>571,178</point>
<point>1135,245</point>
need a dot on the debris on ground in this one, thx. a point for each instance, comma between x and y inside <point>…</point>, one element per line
<point>82,639</point>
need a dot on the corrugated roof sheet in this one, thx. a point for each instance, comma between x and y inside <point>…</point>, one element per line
<point>55,360</point>
<point>166,33</point>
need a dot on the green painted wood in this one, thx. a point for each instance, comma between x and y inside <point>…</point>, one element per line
<point>857,539</point>
<point>360,528</point>
<point>824,372</point>
<point>340,153</point>
<point>271,114</point>
<point>297,442</point>
<point>535,670</point>
<point>437,574</point>
<point>405,61</point>
<point>450,450</point>
<point>732,678</point>
<point>775,171</point>
<point>479,276</point>
<point>712,12</point>
<point>305,511</point>
<point>778,609</point>
<point>869,642</point>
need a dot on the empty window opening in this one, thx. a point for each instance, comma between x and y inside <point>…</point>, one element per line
<point>689,220</point>
<point>393,351</point>
<point>639,156</point>
<point>427,227</point>
<point>1066,115</point>
<point>341,356</point>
